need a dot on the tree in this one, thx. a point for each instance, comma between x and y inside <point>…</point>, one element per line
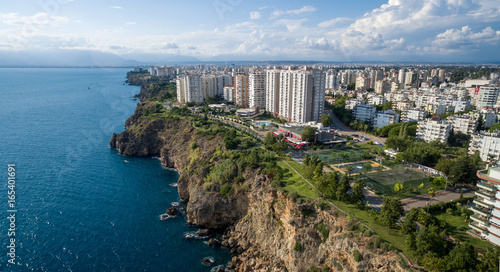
<point>409,225</point>
<point>308,134</point>
<point>432,193</point>
<point>269,139</point>
<point>367,167</point>
<point>326,120</point>
<point>357,192</point>
<point>398,187</point>
<point>462,258</point>
<point>351,87</point>
<point>343,188</point>
<point>489,260</point>
<point>391,211</point>
<point>328,184</point>
<point>430,240</point>
<point>349,169</point>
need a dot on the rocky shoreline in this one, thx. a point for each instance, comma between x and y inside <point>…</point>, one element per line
<point>265,229</point>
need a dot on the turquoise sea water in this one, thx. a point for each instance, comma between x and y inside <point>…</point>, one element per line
<point>80,205</point>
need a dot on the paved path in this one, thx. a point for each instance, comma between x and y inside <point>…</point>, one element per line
<point>422,200</point>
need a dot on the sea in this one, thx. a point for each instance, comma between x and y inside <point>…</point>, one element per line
<point>74,203</point>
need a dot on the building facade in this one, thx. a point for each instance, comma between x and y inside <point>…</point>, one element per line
<point>431,130</point>
<point>257,89</point>
<point>486,208</point>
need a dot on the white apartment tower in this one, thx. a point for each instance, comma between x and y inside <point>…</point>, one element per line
<point>189,89</point>
<point>301,95</point>
<point>272,91</point>
<point>257,89</point>
<point>431,130</point>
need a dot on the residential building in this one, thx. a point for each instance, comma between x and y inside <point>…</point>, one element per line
<point>376,100</point>
<point>431,130</point>
<point>228,93</point>
<point>486,143</point>
<point>364,113</point>
<point>465,124</point>
<point>241,90</point>
<point>485,220</point>
<point>382,86</point>
<point>301,95</point>
<point>189,89</point>
<point>385,118</point>
<point>415,114</point>
<point>352,103</point>
<point>487,97</point>
<point>272,91</point>
<point>257,89</point>
<point>362,83</point>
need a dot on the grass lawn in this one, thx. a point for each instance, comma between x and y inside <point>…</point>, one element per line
<point>295,183</point>
<point>457,228</point>
<point>395,237</point>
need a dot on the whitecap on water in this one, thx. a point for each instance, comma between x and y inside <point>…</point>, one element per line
<point>174,204</point>
<point>173,184</point>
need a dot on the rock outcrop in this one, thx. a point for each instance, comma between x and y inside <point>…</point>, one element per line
<point>263,227</point>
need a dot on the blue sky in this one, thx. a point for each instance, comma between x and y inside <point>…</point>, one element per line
<point>335,30</point>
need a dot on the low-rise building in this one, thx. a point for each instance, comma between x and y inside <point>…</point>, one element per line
<point>466,124</point>
<point>431,130</point>
<point>376,100</point>
<point>415,114</point>
<point>487,144</point>
<point>364,113</point>
<point>385,118</point>
<point>352,103</point>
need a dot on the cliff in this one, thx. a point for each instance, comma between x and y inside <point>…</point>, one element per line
<point>264,227</point>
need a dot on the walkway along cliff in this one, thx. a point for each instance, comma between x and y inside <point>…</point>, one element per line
<point>265,228</point>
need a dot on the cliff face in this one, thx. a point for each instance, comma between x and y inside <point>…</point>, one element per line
<point>262,225</point>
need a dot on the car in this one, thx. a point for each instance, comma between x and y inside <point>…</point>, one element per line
<point>354,135</point>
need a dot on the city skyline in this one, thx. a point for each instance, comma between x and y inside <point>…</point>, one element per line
<point>237,30</point>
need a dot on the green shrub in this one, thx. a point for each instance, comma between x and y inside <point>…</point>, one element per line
<point>324,231</point>
<point>449,211</point>
<point>357,256</point>
<point>297,247</point>
<point>367,233</point>
<point>384,246</point>
<point>193,146</point>
<point>325,268</point>
<point>353,227</point>
<point>226,189</point>
<point>314,269</point>
<point>307,212</point>
<point>377,241</point>
<point>391,247</point>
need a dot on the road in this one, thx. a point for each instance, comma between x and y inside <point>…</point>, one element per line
<point>345,130</point>
<point>422,200</point>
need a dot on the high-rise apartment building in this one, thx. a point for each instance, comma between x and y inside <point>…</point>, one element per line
<point>257,89</point>
<point>189,89</point>
<point>272,91</point>
<point>485,222</point>
<point>241,90</point>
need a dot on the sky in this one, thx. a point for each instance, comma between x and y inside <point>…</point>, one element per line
<point>257,30</point>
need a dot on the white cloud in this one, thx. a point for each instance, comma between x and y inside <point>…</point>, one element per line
<point>130,23</point>
<point>254,15</point>
<point>334,22</point>
<point>465,38</point>
<point>116,7</point>
<point>38,19</point>
<point>304,9</point>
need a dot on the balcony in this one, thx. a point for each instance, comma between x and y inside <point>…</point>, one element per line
<point>481,229</point>
<point>480,202</point>
<point>480,219</point>
<point>485,194</point>
<point>486,186</point>
<point>480,210</point>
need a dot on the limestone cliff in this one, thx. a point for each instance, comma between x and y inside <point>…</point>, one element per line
<point>262,225</point>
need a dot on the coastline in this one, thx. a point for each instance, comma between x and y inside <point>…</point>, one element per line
<point>261,226</point>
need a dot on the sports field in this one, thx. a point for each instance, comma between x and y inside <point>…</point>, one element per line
<point>349,154</point>
<point>384,181</point>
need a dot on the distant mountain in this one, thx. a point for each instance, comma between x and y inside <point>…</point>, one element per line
<point>83,58</point>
